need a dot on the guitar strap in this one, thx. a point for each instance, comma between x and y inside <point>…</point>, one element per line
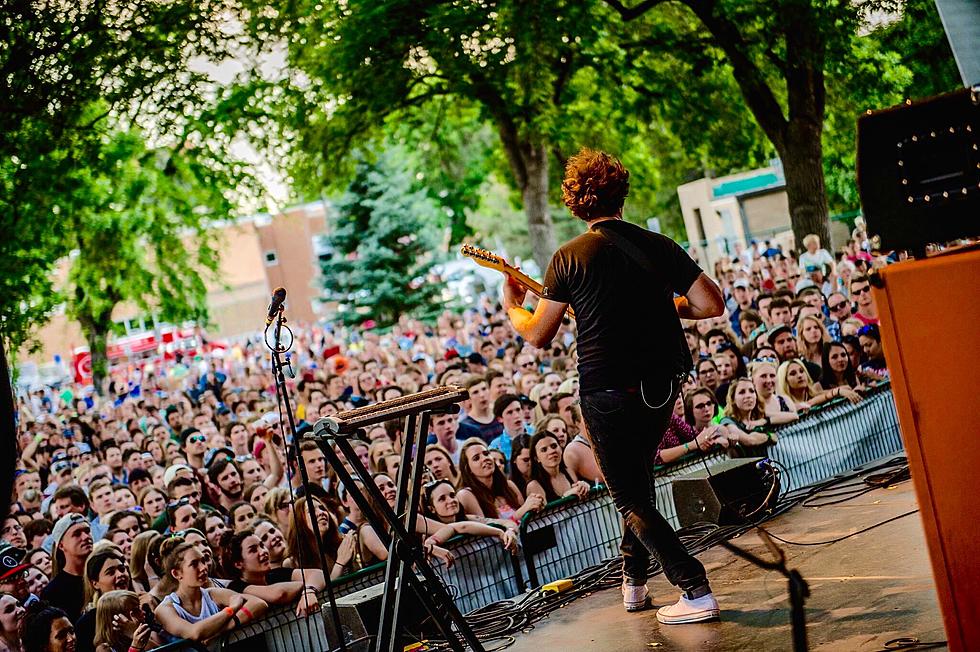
<point>628,247</point>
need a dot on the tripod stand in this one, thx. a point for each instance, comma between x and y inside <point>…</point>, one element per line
<point>395,531</point>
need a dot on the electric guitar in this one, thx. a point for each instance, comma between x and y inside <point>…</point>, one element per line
<point>491,260</point>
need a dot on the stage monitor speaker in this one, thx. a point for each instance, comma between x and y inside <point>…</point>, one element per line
<point>732,490</point>
<point>918,171</point>
<point>360,616</point>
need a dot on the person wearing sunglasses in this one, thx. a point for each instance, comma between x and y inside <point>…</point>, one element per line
<point>867,309</point>
<point>696,431</point>
<point>181,513</point>
<point>194,443</point>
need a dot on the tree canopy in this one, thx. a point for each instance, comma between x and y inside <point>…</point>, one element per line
<point>70,72</point>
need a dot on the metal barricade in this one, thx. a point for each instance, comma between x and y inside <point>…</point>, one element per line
<point>837,439</point>
<point>483,572</point>
<point>362,579</point>
<point>280,631</point>
<point>569,535</point>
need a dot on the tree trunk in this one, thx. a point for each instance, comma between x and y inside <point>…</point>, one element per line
<point>529,165</point>
<point>96,331</point>
<point>805,188</point>
<point>535,195</point>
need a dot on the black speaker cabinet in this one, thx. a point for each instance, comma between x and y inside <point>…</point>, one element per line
<point>918,171</point>
<point>360,617</point>
<point>732,489</point>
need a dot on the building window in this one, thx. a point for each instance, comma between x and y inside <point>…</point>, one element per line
<point>271,258</point>
<point>699,223</point>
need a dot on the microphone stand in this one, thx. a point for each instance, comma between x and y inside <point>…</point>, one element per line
<point>283,395</point>
<point>799,591</point>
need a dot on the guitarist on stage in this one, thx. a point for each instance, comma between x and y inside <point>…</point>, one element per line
<point>621,279</point>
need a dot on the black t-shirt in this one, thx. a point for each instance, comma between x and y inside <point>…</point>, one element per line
<point>274,576</point>
<point>628,328</point>
<point>85,632</point>
<point>66,592</point>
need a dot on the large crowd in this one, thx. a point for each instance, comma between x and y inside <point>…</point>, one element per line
<point>171,506</point>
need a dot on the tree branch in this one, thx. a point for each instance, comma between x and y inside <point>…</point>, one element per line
<point>750,79</point>
<point>629,13</point>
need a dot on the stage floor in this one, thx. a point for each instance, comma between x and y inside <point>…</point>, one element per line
<point>865,590</point>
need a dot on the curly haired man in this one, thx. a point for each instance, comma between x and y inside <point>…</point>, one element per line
<point>621,281</point>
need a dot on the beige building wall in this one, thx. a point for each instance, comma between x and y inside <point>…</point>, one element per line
<point>712,222</point>
<point>291,262</point>
<point>767,212</point>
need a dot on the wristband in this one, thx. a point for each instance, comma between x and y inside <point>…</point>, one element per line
<point>686,448</point>
<point>229,611</point>
<point>248,614</point>
<point>134,649</point>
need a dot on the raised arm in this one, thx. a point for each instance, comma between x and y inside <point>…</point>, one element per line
<point>275,466</point>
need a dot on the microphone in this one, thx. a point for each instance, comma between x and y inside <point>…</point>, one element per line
<point>278,298</point>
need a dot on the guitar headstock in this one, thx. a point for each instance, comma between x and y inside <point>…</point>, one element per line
<point>484,257</point>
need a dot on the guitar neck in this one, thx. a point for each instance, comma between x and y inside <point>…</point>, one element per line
<point>533,286</point>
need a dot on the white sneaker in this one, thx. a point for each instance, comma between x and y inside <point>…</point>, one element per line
<point>683,611</point>
<point>635,598</point>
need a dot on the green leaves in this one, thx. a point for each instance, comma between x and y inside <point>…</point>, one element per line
<point>70,73</point>
<point>139,232</point>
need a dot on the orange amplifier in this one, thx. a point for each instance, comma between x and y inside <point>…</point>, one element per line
<point>930,326</point>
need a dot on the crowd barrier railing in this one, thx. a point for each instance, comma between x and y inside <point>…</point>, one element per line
<point>570,535</point>
<point>483,572</point>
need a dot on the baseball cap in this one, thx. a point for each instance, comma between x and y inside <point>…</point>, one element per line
<point>213,453</point>
<point>812,268</point>
<point>779,330</point>
<point>63,525</point>
<point>742,283</point>
<point>11,560</point>
<point>61,465</point>
<point>527,401</point>
<point>475,358</point>
<point>83,447</point>
<point>172,472</point>
<point>224,410</point>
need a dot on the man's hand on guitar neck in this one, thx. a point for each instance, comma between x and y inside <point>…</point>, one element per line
<point>514,293</point>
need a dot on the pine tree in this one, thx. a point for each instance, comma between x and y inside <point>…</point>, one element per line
<point>382,241</point>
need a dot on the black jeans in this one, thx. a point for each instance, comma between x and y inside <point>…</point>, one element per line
<point>625,433</point>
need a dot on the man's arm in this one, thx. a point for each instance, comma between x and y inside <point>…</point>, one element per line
<point>704,300</point>
<point>538,328</point>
